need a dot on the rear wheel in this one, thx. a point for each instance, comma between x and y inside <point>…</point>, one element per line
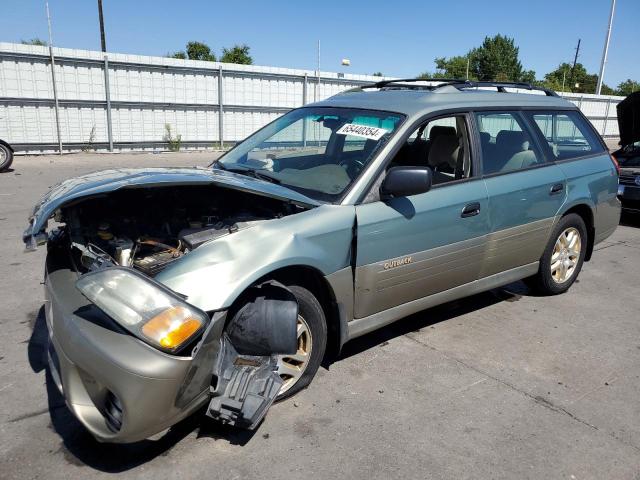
<point>563,257</point>
<point>6,157</point>
<point>298,370</point>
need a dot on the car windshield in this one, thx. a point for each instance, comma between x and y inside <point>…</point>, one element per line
<point>317,151</point>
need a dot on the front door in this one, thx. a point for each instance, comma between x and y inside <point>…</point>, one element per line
<point>413,247</point>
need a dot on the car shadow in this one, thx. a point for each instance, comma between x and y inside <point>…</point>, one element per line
<point>79,447</point>
<point>432,316</point>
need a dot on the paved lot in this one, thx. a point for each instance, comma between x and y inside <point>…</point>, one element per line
<point>500,385</point>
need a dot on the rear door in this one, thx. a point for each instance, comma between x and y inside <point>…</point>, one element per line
<point>526,191</point>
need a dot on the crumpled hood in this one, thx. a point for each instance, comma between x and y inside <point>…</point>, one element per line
<point>106,181</point>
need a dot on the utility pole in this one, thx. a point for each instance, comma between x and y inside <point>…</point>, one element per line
<point>606,48</point>
<point>573,68</point>
<point>102,37</point>
<point>53,79</point>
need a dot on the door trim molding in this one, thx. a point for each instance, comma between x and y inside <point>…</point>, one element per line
<point>362,326</point>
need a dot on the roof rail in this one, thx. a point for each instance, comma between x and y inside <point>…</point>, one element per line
<point>500,86</point>
<point>386,83</point>
<point>460,84</point>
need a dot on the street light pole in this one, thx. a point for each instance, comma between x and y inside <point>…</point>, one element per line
<point>606,48</point>
<point>53,79</point>
<point>102,37</point>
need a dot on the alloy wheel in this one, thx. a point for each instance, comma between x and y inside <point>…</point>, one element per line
<point>291,367</point>
<point>566,254</point>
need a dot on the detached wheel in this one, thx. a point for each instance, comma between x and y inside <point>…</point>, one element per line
<point>563,257</point>
<point>298,370</point>
<point>6,157</point>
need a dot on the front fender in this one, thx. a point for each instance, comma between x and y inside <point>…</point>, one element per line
<point>216,273</point>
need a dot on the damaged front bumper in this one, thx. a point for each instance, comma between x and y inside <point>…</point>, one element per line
<point>121,389</point>
<point>124,390</point>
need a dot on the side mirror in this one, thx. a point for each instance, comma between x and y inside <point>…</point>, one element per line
<point>406,181</point>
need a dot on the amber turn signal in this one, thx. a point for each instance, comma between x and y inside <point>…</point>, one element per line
<point>172,327</point>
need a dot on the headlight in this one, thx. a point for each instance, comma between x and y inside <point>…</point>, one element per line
<point>148,310</point>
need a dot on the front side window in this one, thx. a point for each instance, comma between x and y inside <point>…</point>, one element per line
<point>506,144</point>
<point>440,144</point>
<point>316,151</point>
<point>566,133</point>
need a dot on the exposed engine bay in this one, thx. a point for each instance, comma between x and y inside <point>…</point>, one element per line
<point>149,228</point>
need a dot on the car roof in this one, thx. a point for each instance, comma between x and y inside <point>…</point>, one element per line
<point>416,102</point>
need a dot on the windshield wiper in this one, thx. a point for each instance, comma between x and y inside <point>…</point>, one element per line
<point>253,172</point>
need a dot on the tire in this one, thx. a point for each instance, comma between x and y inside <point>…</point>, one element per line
<point>312,317</point>
<point>553,281</point>
<point>6,157</point>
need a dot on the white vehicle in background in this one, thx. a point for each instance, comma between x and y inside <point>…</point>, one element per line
<point>6,156</point>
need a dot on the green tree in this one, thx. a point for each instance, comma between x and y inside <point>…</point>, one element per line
<point>433,75</point>
<point>578,80</point>
<point>181,55</point>
<point>495,60</point>
<point>377,74</point>
<point>237,54</point>
<point>34,41</point>
<point>200,51</point>
<point>628,87</point>
<point>455,67</point>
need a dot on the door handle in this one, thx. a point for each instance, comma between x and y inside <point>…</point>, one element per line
<point>557,188</point>
<point>470,210</point>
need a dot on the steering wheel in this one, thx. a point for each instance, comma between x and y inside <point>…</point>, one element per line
<point>353,167</point>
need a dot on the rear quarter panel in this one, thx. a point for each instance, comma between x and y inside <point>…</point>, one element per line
<point>594,181</point>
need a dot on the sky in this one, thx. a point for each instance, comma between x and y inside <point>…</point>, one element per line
<point>397,38</point>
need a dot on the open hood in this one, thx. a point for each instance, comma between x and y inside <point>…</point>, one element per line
<point>98,183</point>
<point>629,119</point>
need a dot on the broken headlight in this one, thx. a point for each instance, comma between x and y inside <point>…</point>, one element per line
<point>148,310</point>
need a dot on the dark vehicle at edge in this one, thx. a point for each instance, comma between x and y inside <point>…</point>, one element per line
<point>6,155</point>
<point>628,156</point>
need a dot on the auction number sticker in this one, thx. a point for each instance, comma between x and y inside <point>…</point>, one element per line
<point>372,133</point>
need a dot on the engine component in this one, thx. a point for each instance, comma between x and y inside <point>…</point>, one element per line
<point>123,248</point>
<point>192,238</point>
<point>154,263</point>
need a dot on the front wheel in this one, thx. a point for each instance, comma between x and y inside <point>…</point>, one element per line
<point>563,257</point>
<point>6,157</point>
<point>298,370</point>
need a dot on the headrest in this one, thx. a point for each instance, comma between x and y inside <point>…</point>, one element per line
<point>444,150</point>
<point>512,141</point>
<point>438,130</point>
<point>485,137</point>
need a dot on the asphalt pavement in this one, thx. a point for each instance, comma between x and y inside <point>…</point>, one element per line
<point>503,384</point>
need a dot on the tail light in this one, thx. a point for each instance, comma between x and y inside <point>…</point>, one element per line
<point>615,163</point>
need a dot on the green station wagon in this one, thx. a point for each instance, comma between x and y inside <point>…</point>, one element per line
<point>175,290</point>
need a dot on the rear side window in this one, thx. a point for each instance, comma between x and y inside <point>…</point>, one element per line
<point>566,133</point>
<point>506,144</point>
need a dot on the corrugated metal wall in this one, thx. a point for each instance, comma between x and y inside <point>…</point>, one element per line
<point>147,93</point>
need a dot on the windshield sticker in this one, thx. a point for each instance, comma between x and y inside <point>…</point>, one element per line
<point>363,131</point>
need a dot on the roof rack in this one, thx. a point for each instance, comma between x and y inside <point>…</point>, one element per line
<point>501,86</point>
<point>400,81</point>
<point>460,84</point>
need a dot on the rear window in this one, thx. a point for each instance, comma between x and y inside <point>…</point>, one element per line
<point>566,133</point>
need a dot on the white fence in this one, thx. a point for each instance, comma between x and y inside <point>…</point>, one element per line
<point>208,104</point>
